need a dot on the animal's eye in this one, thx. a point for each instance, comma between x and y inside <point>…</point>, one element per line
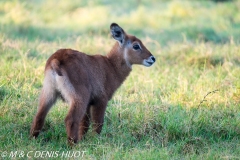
<point>136,47</point>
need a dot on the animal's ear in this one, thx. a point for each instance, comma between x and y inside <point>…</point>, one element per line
<point>117,33</point>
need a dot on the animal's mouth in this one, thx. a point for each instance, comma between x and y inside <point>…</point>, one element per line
<point>147,63</point>
<point>150,63</point>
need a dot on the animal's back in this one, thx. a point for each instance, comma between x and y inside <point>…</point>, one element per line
<point>93,72</point>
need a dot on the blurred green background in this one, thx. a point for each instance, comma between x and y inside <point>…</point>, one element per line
<point>165,21</point>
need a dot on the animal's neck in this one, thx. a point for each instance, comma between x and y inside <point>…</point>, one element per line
<point>117,60</point>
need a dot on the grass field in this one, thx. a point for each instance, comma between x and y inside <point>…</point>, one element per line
<point>186,106</point>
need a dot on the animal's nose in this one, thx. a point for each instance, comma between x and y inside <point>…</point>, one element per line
<point>153,59</point>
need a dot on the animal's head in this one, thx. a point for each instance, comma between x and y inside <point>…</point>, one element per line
<point>133,49</point>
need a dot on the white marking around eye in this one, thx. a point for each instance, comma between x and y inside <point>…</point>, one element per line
<point>138,45</point>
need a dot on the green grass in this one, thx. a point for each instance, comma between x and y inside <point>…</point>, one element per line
<point>162,112</point>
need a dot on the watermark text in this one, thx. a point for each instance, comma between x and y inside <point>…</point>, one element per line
<point>42,154</point>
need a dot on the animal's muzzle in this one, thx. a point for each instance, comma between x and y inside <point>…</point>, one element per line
<point>151,60</point>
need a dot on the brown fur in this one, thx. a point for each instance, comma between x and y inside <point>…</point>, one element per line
<point>88,82</point>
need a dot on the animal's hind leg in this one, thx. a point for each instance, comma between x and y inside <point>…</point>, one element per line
<point>84,124</point>
<point>77,110</point>
<point>97,115</point>
<point>48,97</point>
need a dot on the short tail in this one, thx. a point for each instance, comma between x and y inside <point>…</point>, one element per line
<point>55,64</point>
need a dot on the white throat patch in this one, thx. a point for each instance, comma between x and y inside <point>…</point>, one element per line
<point>125,55</point>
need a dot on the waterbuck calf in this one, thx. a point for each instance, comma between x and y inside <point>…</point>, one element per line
<point>87,82</point>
